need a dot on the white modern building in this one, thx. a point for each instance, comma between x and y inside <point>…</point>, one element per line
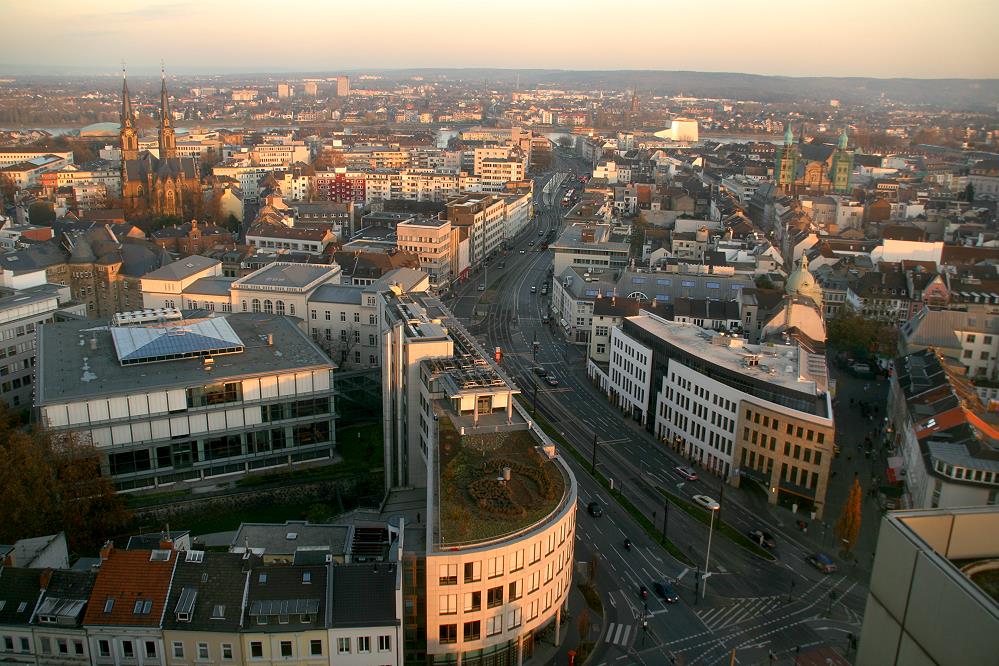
<point>182,401</point>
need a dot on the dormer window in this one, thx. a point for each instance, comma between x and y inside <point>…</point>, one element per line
<point>218,612</point>
<point>307,578</point>
<point>108,604</point>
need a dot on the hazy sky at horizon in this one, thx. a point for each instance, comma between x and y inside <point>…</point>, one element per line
<point>881,38</point>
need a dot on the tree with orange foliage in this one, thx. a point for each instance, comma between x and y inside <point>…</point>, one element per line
<point>848,525</point>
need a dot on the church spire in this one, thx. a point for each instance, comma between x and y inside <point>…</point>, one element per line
<point>788,134</point>
<point>127,136</point>
<point>168,140</point>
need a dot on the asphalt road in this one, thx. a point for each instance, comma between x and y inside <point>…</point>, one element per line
<point>752,606</point>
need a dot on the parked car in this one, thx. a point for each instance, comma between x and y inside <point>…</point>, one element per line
<point>822,562</point>
<point>765,539</point>
<point>544,320</point>
<point>595,509</point>
<point>666,591</point>
<point>706,502</point>
<point>522,252</point>
<point>544,290</point>
<point>686,473</point>
<point>531,243</point>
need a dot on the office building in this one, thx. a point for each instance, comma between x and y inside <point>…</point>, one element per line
<point>589,246</point>
<point>746,412</point>
<point>492,577</point>
<point>183,401</point>
<point>430,240</point>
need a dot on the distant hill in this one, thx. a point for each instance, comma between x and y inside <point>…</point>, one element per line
<point>948,93</point>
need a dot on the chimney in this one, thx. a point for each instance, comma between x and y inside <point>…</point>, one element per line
<point>166,543</point>
<point>93,343</point>
<point>106,550</point>
<point>270,339</point>
<point>45,578</point>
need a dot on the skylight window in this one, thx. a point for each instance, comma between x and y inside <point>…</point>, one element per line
<point>108,604</point>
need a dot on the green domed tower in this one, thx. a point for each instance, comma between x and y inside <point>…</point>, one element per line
<point>786,166</point>
<point>842,166</point>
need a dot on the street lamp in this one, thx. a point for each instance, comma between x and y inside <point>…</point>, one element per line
<point>707,557</point>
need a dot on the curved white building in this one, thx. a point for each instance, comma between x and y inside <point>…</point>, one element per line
<point>490,565</point>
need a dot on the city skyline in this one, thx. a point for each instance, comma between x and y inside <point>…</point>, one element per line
<point>783,42</point>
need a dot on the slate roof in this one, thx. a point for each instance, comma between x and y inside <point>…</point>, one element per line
<point>19,592</point>
<point>211,586</point>
<point>128,578</point>
<point>363,595</point>
<point>182,268</point>
<point>298,592</point>
<point>66,597</point>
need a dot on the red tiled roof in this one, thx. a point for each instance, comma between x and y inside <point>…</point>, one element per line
<point>128,576</point>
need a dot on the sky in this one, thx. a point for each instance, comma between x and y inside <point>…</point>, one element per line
<point>878,38</point>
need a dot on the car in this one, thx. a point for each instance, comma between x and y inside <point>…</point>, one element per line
<point>539,371</point>
<point>594,509</point>
<point>552,380</point>
<point>706,502</point>
<point>544,290</point>
<point>763,538</point>
<point>666,591</point>
<point>822,562</point>
<point>501,264</point>
<point>482,287</point>
<point>522,252</point>
<point>541,233</point>
<point>531,243</point>
<point>686,473</point>
<point>534,290</point>
<point>544,320</point>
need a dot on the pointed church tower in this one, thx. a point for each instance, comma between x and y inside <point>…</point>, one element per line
<point>128,137</point>
<point>168,140</point>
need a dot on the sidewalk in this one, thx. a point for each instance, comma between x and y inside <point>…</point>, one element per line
<point>546,652</point>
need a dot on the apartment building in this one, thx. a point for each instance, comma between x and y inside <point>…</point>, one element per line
<point>745,412</point>
<point>430,240</point>
<point>589,246</point>
<point>945,439</point>
<point>22,311</point>
<point>187,400</point>
<point>16,154</point>
<point>483,216</point>
<point>970,338</point>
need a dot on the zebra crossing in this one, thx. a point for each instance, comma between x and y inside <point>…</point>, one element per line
<point>619,634</point>
<point>742,609</point>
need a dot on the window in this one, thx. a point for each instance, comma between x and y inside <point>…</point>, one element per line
<point>448,633</point>
<point>448,604</point>
<point>364,644</point>
<point>257,650</point>
<point>473,602</point>
<point>46,645</point>
<point>448,574</point>
<point>203,651</point>
<point>357,317</point>
<point>514,618</point>
<point>343,646</point>
<point>150,649</point>
<point>473,571</point>
<point>227,651</point>
<point>77,647</point>
<point>384,643</point>
<point>494,625</point>
<point>104,648</point>
<point>127,650</point>
<point>286,649</point>
<point>178,650</point>
<point>8,644</point>
<point>316,647</point>
<point>494,596</point>
<point>473,630</point>
<point>516,589</point>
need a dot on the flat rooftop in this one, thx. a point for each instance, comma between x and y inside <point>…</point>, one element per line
<point>782,365</point>
<point>286,275</point>
<point>69,370</point>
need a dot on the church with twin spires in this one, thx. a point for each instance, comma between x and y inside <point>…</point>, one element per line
<point>162,184</point>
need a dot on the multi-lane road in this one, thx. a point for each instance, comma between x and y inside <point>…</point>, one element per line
<point>753,606</point>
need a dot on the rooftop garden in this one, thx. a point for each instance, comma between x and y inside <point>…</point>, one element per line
<point>475,504</point>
